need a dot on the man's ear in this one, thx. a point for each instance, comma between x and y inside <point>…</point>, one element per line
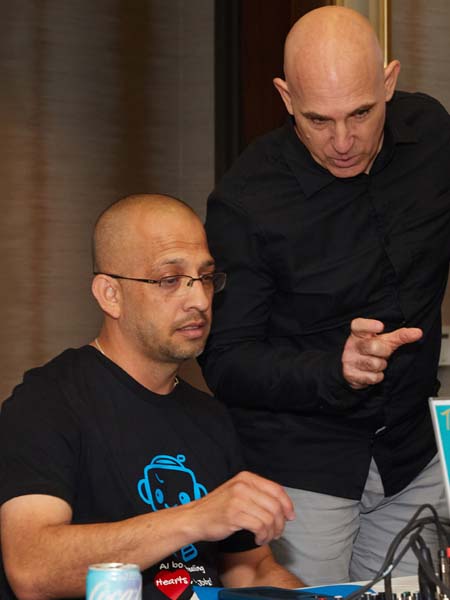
<point>391,73</point>
<point>283,90</point>
<point>108,295</point>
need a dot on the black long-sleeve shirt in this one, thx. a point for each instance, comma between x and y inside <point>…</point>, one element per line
<point>307,252</point>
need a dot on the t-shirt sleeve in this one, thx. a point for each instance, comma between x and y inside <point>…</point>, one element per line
<point>38,442</point>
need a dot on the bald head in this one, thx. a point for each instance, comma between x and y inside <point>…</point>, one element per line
<point>331,42</point>
<point>130,223</point>
<point>336,88</point>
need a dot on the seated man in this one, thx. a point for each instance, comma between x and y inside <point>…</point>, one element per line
<point>107,456</point>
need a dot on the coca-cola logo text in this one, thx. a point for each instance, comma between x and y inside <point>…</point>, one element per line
<point>102,591</point>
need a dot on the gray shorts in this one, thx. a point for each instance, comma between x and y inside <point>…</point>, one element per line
<point>336,540</point>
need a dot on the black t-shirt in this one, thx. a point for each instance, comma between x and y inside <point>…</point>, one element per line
<point>82,429</point>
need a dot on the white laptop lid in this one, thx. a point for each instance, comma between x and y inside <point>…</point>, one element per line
<point>440,413</point>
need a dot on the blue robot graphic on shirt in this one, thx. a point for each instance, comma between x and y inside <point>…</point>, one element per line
<point>166,483</point>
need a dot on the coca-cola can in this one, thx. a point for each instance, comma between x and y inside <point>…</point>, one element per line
<point>114,581</point>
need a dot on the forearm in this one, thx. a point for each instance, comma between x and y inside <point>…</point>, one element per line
<point>53,561</point>
<point>278,376</point>
<point>46,556</point>
<point>256,568</point>
<point>271,573</point>
<point>258,353</point>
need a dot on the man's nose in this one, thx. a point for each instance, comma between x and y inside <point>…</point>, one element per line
<point>343,139</point>
<point>198,295</point>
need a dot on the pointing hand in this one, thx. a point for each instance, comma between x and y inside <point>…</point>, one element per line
<point>367,351</point>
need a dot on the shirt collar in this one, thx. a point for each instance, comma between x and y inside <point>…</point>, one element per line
<point>396,132</point>
<point>311,176</point>
<point>402,132</point>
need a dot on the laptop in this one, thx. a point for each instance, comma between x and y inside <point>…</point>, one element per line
<point>440,413</point>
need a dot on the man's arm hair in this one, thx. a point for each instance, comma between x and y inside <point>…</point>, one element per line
<point>46,556</point>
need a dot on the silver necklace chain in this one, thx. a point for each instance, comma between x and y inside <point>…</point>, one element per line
<point>97,343</point>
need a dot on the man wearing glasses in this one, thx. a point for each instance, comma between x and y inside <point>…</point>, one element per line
<point>107,456</point>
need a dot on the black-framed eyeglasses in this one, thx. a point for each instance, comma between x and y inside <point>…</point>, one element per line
<point>211,282</point>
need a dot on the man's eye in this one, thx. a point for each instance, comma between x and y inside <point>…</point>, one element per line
<point>362,113</point>
<point>318,121</point>
<point>208,278</point>
<point>169,283</point>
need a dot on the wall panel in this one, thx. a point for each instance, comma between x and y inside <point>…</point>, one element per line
<point>420,31</point>
<point>99,100</point>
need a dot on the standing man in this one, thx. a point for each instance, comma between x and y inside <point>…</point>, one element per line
<point>107,456</point>
<point>335,234</point>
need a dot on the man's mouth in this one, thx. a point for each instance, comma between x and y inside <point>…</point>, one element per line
<point>193,329</point>
<point>350,161</point>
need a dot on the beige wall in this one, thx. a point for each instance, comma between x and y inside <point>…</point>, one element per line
<point>99,100</point>
<point>420,39</point>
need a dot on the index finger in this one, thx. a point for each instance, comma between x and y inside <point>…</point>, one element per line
<point>404,335</point>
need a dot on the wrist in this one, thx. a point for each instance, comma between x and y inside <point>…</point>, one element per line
<point>183,524</point>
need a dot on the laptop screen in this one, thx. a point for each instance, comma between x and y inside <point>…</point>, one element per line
<point>440,413</point>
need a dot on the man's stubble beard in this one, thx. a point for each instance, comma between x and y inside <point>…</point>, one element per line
<point>179,355</point>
